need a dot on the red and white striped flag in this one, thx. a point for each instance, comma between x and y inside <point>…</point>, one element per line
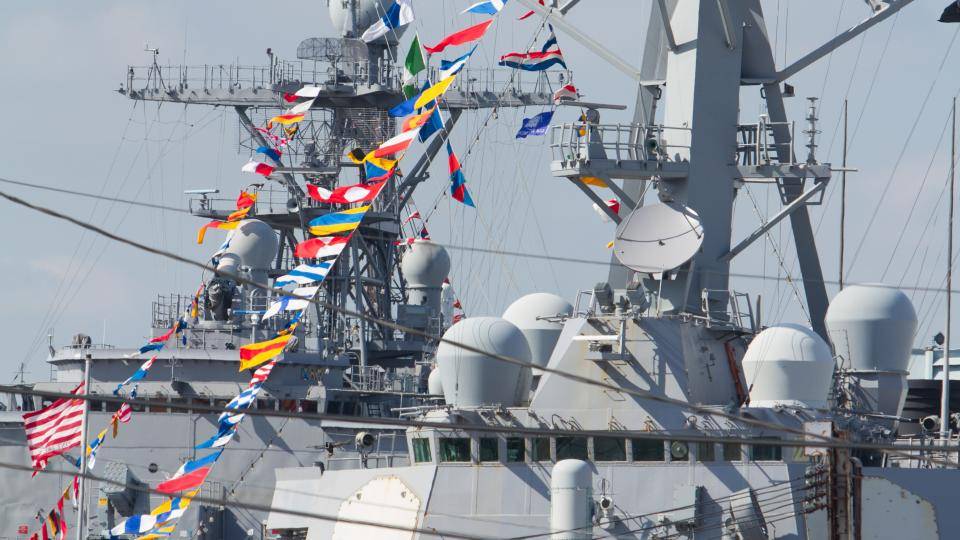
<point>53,430</point>
<point>568,92</point>
<point>262,372</point>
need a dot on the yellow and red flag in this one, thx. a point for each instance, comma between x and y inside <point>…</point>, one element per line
<point>246,200</point>
<point>215,224</point>
<point>286,119</point>
<point>254,354</point>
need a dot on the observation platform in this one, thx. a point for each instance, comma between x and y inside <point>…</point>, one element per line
<point>343,84</point>
<point>639,152</point>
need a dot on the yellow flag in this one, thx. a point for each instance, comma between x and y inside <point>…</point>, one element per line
<point>593,181</point>
<point>433,92</point>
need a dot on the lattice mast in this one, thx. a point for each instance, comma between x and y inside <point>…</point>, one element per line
<point>359,83</point>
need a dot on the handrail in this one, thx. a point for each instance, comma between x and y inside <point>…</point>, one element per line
<point>574,141</point>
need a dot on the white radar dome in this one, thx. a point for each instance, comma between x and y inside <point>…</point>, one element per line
<point>434,384</point>
<point>425,264</point>
<point>790,365</point>
<point>352,17</point>
<point>872,328</point>
<point>252,244</point>
<point>527,314</point>
<point>472,379</point>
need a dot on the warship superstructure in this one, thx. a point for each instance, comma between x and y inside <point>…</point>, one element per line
<point>701,422</point>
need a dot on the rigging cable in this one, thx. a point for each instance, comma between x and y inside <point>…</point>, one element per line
<point>903,150</point>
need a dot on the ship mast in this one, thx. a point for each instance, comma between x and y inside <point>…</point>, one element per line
<point>696,64</point>
<point>945,385</point>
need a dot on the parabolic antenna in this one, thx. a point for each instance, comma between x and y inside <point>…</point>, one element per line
<point>658,238</point>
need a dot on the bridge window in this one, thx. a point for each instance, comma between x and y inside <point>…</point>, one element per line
<point>609,449</point>
<point>421,450</point>
<point>489,449</point>
<point>732,452</point>
<point>540,448</point>
<point>706,451</point>
<point>648,450</point>
<point>516,451</point>
<point>766,452</point>
<point>571,448</point>
<point>454,449</point>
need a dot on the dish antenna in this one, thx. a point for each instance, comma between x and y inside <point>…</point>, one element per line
<point>655,239</point>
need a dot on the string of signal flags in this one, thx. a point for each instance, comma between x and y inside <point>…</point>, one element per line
<point>54,430</point>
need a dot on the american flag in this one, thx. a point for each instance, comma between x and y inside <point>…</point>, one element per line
<point>53,430</point>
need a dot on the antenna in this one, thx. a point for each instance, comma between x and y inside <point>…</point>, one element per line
<point>812,131</point>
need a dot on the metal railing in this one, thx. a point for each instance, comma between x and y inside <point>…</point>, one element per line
<point>756,144</point>
<point>727,308</point>
<point>157,78</point>
<point>353,73</point>
<point>620,142</point>
<point>271,198</point>
<point>378,379</point>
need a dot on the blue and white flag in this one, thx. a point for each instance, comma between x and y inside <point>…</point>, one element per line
<point>399,14</point>
<point>300,299</point>
<point>487,7</point>
<point>305,273</point>
<point>135,525</point>
<point>535,126</point>
<point>241,402</point>
<point>222,437</point>
<point>452,67</point>
<point>137,376</point>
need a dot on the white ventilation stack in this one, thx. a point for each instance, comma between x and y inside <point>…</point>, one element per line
<point>571,500</point>
<point>424,266</point>
<point>471,379</point>
<point>788,365</point>
<point>872,328</point>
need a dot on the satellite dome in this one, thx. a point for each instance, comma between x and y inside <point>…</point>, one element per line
<point>352,17</point>
<point>434,384</point>
<point>788,364</point>
<point>424,266</point>
<point>472,379</point>
<point>542,335</point>
<point>253,244</point>
<point>872,328</point>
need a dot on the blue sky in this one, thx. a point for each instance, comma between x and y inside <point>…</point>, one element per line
<point>66,125</point>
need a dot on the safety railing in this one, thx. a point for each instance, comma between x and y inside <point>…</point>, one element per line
<point>236,77</point>
<point>725,308</point>
<point>503,83</point>
<point>756,144</point>
<point>271,198</point>
<point>379,379</point>
<point>621,142</point>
